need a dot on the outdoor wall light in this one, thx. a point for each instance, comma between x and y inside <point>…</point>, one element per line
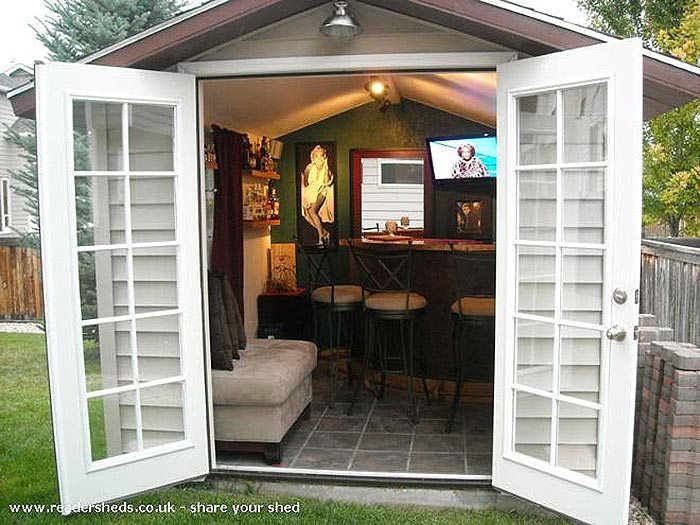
<point>342,23</point>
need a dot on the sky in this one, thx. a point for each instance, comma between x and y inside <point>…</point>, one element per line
<point>18,42</point>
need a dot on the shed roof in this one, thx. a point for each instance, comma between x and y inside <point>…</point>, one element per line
<point>668,82</point>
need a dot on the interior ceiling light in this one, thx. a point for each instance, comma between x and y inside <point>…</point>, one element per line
<point>342,23</point>
<point>378,89</point>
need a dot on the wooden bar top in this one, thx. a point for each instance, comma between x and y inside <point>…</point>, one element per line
<point>427,245</point>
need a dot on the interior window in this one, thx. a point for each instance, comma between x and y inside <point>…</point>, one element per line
<point>392,189</point>
<point>401,171</point>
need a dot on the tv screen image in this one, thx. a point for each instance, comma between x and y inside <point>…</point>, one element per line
<point>458,158</point>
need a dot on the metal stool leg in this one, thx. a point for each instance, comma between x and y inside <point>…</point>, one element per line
<point>365,362</point>
<point>333,359</point>
<point>457,352</point>
<point>411,392</point>
<point>424,369</point>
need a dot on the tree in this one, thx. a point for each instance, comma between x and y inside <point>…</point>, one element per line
<point>642,18</point>
<point>75,29</point>
<point>671,140</point>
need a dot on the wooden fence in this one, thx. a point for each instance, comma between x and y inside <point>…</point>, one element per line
<point>670,287</point>
<point>20,283</point>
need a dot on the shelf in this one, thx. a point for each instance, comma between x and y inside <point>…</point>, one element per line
<point>261,224</point>
<point>269,175</point>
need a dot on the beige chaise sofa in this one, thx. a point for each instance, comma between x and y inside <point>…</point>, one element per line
<point>257,402</point>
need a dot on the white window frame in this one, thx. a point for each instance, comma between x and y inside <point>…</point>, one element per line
<point>5,214</point>
<point>397,160</point>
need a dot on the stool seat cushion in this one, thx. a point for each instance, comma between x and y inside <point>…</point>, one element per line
<point>395,301</point>
<point>475,306</point>
<point>344,294</point>
<point>268,372</point>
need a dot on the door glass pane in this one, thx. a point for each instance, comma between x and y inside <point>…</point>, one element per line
<point>534,353</point>
<point>536,277</point>
<point>151,137</point>
<point>107,356</point>
<point>105,416</point>
<point>103,283</point>
<point>537,205</point>
<point>99,209</point>
<point>583,208</point>
<point>582,285</point>
<point>158,347</point>
<point>585,123</point>
<point>537,128</point>
<point>533,425</point>
<point>152,209</point>
<point>97,136</point>
<point>580,358</point>
<point>577,448</point>
<point>162,415</point>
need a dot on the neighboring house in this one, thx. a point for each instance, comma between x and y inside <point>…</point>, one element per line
<point>14,220</point>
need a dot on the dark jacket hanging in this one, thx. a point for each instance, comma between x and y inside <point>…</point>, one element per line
<point>227,241</point>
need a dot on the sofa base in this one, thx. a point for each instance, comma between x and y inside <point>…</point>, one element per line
<point>271,451</point>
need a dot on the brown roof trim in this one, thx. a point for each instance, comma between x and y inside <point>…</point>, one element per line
<point>665,85</point>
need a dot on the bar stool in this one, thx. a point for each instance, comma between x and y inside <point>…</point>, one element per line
<point>335,302</point>
<point>469,311</point>
<point>388,299</point>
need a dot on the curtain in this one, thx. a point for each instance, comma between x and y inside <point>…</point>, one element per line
<point>227,237</point>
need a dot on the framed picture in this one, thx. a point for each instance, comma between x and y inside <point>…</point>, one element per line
<point>472,217</point>
<point>317,177</point>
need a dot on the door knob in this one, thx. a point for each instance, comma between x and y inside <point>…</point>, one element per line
<point>615,333</point>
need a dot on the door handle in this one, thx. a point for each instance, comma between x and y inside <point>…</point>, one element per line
<point>616,333</point>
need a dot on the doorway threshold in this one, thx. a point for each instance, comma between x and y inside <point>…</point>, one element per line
<point>465,492</point>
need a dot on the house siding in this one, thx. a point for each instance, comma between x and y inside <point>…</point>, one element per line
<point>11,161</point>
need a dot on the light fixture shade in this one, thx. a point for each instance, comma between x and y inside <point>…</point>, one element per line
<point>341,24</point>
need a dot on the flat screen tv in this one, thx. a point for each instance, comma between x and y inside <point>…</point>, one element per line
<point>462,158</point>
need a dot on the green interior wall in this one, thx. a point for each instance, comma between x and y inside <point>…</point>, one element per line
<point>404,125</point>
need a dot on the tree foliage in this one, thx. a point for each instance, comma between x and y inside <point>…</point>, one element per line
<point>642,18</point>
<point>75,29</point>
<point>671,140</point>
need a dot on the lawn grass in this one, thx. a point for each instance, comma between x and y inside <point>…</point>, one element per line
<point>27,469</point>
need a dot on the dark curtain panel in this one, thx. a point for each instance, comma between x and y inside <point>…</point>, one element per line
<point>227,242</point>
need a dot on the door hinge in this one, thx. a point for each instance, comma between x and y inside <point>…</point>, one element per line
<point>635,332</point>
<point>636,296</point>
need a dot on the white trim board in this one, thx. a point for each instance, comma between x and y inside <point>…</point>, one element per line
<point>348,63</point>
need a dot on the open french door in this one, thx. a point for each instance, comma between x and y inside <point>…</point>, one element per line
<point>569,209</point>
<point>120,243</point>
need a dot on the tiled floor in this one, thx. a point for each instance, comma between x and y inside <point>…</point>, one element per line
<point>380,437</point>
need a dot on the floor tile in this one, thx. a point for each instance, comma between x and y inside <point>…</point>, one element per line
<point>386,442</point>
<point>479,464</point>
<point>435,426</point>
<point>389,425</point>
<point>342,424</point>
<point>341,410</point>
<point>380,461</point>
<point>323,458</point>
<point>479,445</point>
<point>344,440</point>
<point>437,463</point>
<point>438,443</point>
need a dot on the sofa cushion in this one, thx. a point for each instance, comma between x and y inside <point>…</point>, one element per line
<point>268,372</point>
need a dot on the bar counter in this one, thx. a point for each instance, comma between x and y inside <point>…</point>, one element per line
<point>434,278</point>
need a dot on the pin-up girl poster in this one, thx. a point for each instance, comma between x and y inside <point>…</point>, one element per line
<point>316,168</point>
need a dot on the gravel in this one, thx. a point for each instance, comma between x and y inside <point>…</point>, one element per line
<point>21,328</point>
<point>639,515</point>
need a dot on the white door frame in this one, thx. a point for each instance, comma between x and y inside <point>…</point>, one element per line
<point>426,62</point>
